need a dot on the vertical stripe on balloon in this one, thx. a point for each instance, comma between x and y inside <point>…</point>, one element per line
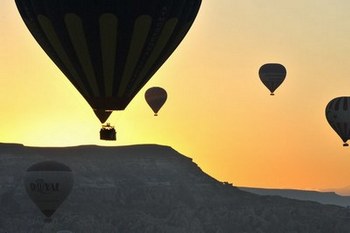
<point>77,35</point>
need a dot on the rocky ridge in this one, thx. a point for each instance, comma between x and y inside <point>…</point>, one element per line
<point>150,189</point>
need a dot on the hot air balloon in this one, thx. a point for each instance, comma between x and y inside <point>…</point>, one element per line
<point>272,75</point>
<point>108,49</point>
<point>48,184</point>
<point>338,116</point>
<point>156,97</point>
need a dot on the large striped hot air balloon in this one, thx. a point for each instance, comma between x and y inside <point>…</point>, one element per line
<point>108,49</point>
<point>272,75</point>
<point>338,116</point>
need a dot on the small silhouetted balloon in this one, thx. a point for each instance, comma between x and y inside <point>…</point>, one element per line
<point>156,97</point>
<point>338,116</point>
<point>108,49</point>
<point>272,75</point>
<point>48,184</point>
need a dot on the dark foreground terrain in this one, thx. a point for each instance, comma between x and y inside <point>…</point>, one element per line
<point>150,189</point>
<point>330,198</point>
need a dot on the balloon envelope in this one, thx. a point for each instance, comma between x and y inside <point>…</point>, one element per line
<point>338,116</point>
<point>272,75</point>
<point>48,184</point>
<point>156,97</point>
<point>108,49</point>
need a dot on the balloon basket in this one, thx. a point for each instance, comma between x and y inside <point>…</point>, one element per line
<point>345,144</point>
<point>108,133</point>
<point>272,94</point>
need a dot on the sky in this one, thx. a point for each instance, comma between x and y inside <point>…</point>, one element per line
<point>218,112</point>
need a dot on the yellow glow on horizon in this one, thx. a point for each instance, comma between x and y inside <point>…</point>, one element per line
<point>218,112</point>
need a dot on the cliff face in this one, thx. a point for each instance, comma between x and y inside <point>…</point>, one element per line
<point>149,189</point>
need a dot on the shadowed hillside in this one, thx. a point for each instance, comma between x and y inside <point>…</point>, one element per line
<point>330,198</point>
<point>150,189</point>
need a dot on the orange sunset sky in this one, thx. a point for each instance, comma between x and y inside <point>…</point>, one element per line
<point>218,112</point>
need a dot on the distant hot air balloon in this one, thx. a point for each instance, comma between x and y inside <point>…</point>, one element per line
<point>272,75</point>
<point>338,116</point>
<point>156,97</point>
<point>48,184</point>
<point>108,49</point>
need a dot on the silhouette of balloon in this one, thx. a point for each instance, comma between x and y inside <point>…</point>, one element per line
<point>272,75</point>
<point>338,116</point>
<point>48,184</point>
<point>156,97</point>
<point>108,49</point>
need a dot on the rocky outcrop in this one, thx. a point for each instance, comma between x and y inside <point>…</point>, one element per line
<point>150,189</point>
